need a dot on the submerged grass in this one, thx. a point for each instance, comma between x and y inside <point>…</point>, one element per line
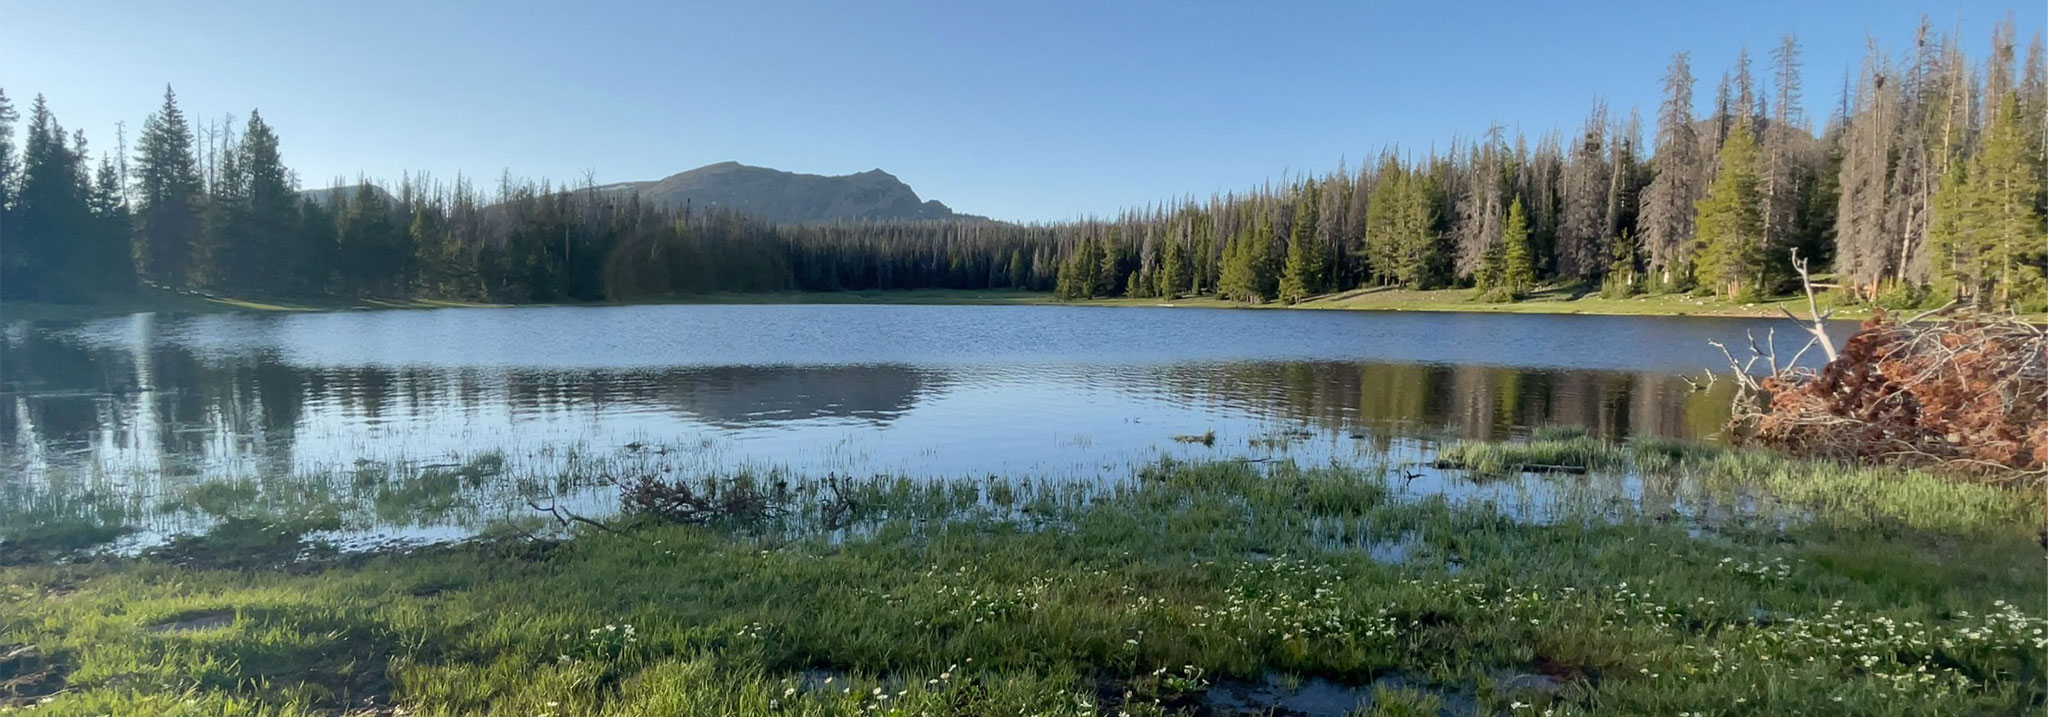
<point>1864,592</point>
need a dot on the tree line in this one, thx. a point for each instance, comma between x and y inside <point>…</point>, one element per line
<point>1926,183</point>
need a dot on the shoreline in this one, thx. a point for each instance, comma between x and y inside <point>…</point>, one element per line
<point>1553,301</point>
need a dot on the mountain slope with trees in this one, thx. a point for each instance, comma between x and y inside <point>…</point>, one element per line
<point>1927,183</point>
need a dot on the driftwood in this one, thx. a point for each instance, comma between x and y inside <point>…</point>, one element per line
<point>564,517</point>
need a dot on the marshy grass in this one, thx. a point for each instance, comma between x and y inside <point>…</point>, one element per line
<point>1549,449</point>
<point>1851,592</point>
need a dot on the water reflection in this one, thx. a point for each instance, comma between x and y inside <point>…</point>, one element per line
<point>165,409</point>
<point>146,407</point>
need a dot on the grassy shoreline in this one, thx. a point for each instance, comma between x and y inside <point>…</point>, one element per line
<point>1185,587</point>
<point>174,302</point>
<point>1554,300</point>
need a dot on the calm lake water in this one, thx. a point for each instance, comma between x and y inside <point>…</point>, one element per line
<point>138,410</point>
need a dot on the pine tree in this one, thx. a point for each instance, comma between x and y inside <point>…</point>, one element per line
<point>1518,263</point>
<point>1173,269</point>
<point>1109,279</point>
<point>49,214</point>
<point>1383,245</point>
<point>1303,274</point>
<point>1955,239</point>
<point>1020,271</point>
<point>1987,236</point>
<point>107,200</point>
<point>2034,113</point>
<point>168,195</point>
<point>1402,236</point>
<point>1235,280</point>
<point>1079,274</point>
<point>1731,219</point>
<point>369,244</point>
<point>1425,258</point>
<point>1247,271</point>
<point>1621,281</point>
<point>312,269</point>
<point>435,251</point>
<point>111,262</point>
<point>263,240</point>
<point>1487,276</point>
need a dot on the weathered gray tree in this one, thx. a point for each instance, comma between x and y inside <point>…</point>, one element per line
<point>1787,160</point>
<point>1582,231</point>
<point>1666,224</point>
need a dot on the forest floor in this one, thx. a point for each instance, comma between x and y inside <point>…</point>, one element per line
<point>1669,579</point>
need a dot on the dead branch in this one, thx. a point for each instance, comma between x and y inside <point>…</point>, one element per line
<point>1930,312</point>
<point>1818,322</point>
<point>564,517</point>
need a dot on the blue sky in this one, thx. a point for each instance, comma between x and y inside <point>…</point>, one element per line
<point>1020,111</point>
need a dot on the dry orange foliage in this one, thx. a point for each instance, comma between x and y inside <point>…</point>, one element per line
<point>1969,393</point>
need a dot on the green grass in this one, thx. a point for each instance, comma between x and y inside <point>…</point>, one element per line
<point>1848,592</point>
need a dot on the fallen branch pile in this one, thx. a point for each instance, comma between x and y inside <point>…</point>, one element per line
<point>1969,393</point>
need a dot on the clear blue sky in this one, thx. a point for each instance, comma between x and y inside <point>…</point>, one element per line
<point>1021,111</point>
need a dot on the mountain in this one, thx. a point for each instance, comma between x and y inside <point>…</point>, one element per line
<point>788,197</point>
<point>327,196</point>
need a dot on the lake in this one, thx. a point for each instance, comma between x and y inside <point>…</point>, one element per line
<point>139,414</point>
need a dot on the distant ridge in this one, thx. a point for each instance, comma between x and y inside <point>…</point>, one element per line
<point>328,196</point>
<point>788,197</point>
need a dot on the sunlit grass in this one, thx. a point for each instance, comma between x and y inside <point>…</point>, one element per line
<point>1847,592</point>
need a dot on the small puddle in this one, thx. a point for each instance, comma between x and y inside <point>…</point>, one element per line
<point>1396,551</point>
<point>1311,698</point>
<point>1282,696</point>
<point>1406,549</point>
